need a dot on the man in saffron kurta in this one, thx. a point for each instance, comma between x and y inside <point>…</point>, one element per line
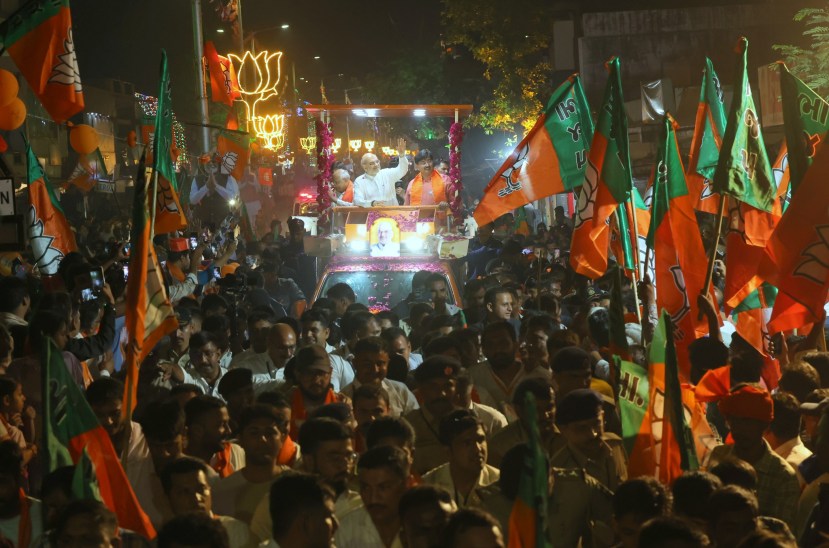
<point>429,187</point>
<point>343,192</point>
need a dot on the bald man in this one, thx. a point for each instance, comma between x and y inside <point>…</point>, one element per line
<point>343,192</point>
<point>375,187</point>
<point>269,367</point>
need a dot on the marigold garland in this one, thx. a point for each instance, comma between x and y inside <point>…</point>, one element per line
<point>325,159</point>
<point>455,186</point>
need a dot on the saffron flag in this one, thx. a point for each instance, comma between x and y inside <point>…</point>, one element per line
<point>224,85</point>
<point>623,246</point>
<point>49,233</point>
<point>91,168</point>
<point>169,216</point>
<point>673,450</point>
<point>550,159</point>
<point>528,519</point>
<point>743,170</point>
<point>752,316</point>
<point>152,315</point>
<point>607,181</point>
<point>749,231</point>
<point>709,129</point>
<point>675,238</point>
<point>71,428</point>
<point>797,254</point>
<point>234,150</point>
<point>806,116</point>
<point>38,37</point>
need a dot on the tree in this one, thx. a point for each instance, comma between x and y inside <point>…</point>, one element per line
<point>811,64</point>
<point>512,41</point>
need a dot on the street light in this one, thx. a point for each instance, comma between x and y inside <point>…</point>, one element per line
<point>316,57</point>
<point>286,26</point>
<point>220,31</point>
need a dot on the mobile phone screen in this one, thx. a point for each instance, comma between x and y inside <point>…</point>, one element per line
<point>96,275</point>
<point>193,242</point>
<point>126,271</point>
<point>87,295</point>
<point>217,272</point>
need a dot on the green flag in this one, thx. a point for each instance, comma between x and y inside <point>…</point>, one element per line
<point>806,117</point>
<point>84,480</point>
<point>163,140</point>
<point>744,170</point>
<point>710,126</point>
<point>633,398</point>
<point>72,430</point>
<point>677,439</point>
<point>528,519</point>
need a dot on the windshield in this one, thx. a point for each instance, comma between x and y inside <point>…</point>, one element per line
<point>380,290</point>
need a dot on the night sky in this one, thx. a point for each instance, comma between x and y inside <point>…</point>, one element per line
<point>122,40</point>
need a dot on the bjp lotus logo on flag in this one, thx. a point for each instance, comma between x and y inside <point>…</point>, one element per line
<point>66,71</point>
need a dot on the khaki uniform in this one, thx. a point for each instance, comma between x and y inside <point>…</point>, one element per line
<point>442,477</point>
<point>610,469</point>
<point>578,511</point>
<point>513,435</point>
<point>429,452</point>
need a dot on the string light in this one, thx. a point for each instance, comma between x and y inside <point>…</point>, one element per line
<point>149,106</point>
<point>335,148</point>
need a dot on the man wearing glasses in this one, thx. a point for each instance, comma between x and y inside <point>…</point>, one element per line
<point>375,187</point>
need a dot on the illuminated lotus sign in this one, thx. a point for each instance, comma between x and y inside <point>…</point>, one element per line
<point>259,75</point>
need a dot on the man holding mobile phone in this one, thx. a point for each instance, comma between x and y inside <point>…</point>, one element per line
<point>182,267</point>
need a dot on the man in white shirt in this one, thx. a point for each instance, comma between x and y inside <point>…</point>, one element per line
<point>375,187</point>
<point>302,511</point>
<point>315,331</point>
<point>269,367</point>
<point>371,365</point>
<point>438,290</point>
<point>398,343</point>
<point>383,472</point>
<point>228,191</point>
<point>185,483</point>
<point>204,371</point>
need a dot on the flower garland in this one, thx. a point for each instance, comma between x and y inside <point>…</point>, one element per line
<point>455,186</point>
<point>324,162</point>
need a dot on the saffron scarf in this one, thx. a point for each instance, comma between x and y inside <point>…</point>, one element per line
<point>221,461</point>
<point>438,189</point>
<point>287,455</point>
<point>298,412</point>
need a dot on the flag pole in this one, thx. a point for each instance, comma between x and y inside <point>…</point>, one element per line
<point>634,276</point>
<point>155,202</point>
<point>709,275</point>
<point>635,241</point>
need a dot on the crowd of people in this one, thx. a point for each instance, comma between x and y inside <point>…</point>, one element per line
<point>268,419</point>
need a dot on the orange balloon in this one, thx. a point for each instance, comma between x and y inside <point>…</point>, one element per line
<point>12,115</point>
<point>83,138</point>
<point>132,138</point>
<point>8,87</point>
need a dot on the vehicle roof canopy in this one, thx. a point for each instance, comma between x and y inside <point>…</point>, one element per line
<point>393,111</point>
